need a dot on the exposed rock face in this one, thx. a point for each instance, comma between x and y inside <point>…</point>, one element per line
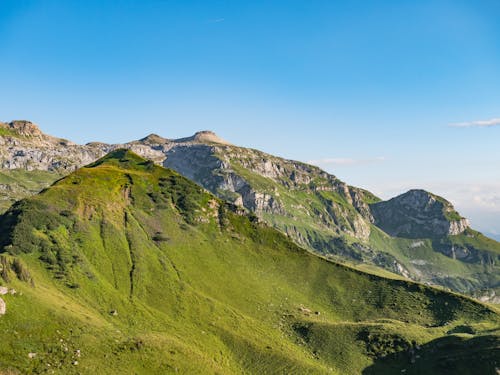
<point>489,297</point>
<point>260,182</point>
<point>3,307</point>
<point>458,226</point>
<point>262,202</point>
<point>205,136</point>
<point>26,147</point>
<point>24,128</point>
<point>418,214</point>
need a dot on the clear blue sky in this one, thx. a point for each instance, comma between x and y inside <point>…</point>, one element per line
<point>366,89</point>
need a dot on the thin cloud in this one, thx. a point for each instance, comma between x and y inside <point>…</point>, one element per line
<point>327,162</point>
<point>216,20</point>
<point>477,124</point>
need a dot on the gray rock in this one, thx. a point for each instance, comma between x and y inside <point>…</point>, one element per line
<point>3,307</point>
<point>418,214</point>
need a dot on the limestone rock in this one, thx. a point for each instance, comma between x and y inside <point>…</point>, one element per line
<point>3,307</point>
<point>205,136</point>
<point>418,214</point>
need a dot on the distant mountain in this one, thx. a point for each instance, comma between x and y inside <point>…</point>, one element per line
<point>418,214</point>
<point>417,235</point>
<point>126,267</point>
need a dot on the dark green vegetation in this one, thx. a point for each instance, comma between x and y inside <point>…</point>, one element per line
<point>454,354</point>
<point>125,267</point>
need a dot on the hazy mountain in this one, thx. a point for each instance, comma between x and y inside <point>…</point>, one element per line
<point>126,267</point>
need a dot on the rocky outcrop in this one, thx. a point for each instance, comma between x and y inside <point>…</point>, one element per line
<point>489,296</point>
<point>3,307</point>
<point>24,146</point>
<point>205,137</point>
<point>24,128</point>
<point>418,214</point>
<point>458,226</point>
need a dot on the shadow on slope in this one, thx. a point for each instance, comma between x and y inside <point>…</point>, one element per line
<point>459,354</point>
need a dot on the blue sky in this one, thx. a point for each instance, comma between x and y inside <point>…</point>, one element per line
<point>365,89</point>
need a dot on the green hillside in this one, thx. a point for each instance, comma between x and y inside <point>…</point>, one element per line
<point>129,268</point>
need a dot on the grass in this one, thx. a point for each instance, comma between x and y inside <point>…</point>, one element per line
<point>219,293</point>
<point>21,183</point>
<point>426,264</point>
<point>6,131</point>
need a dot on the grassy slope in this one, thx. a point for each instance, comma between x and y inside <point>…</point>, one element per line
<point>421,259</point>
<point>197,288</point>
<point>18,184</point>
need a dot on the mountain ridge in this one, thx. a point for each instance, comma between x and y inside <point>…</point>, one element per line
<point>314,208</point>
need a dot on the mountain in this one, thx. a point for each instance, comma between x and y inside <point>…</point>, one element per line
<point>127,267</point>
<point>417,235</point>
<point>418,214</point>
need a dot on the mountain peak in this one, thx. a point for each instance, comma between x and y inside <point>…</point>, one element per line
<point>154,139</point>
<point>24,128</point>
<point>425,200</point>
<point>417,198</point>
<point>204,136</point>
<point>418,214</point>
<point>122,157</point>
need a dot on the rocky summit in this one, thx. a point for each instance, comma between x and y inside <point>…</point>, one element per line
<point>24,146</point>
<point>417,235</point>
<point>418,214</point>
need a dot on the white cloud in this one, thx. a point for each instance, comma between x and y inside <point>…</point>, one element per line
<point>328,162</point>
<point>487,200</point>
<point>477,123</point>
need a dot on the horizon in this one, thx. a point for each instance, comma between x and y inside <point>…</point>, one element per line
<point>386,96</point>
